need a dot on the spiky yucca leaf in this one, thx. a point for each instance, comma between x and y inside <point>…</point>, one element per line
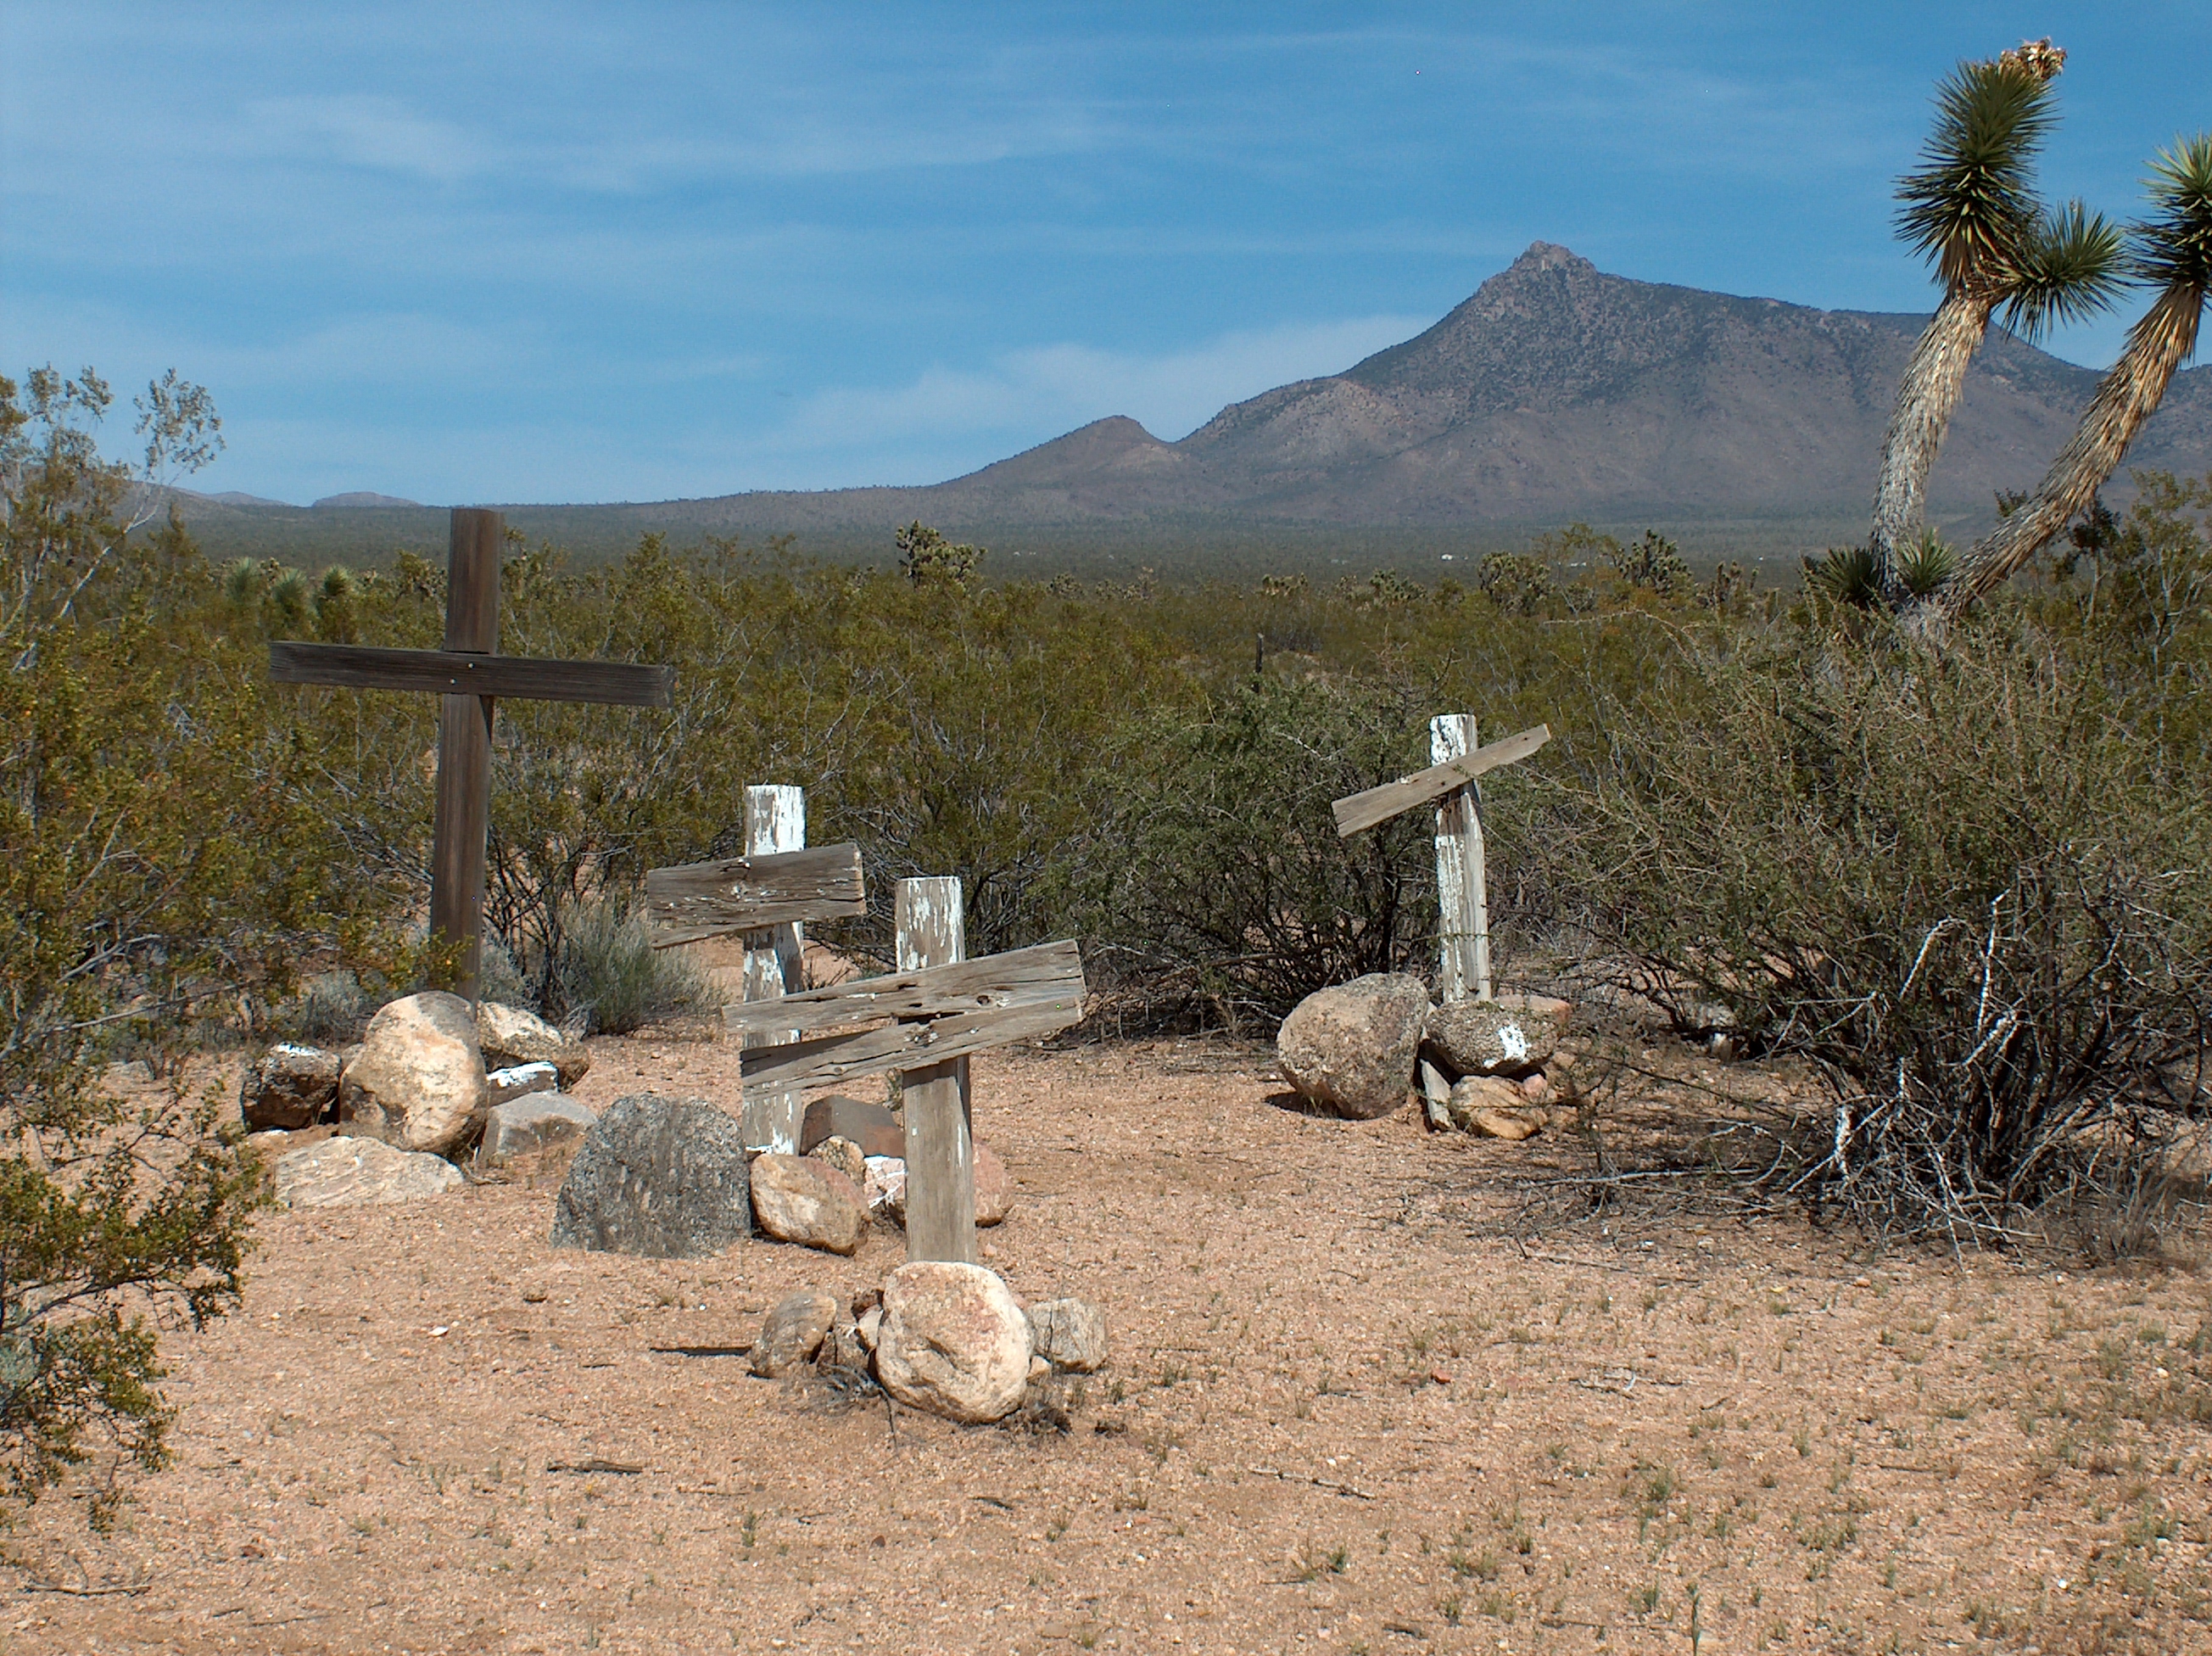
<point>1849,575</point>
<point>2173,246</point>
<point>1924,567</point>
<point>2072,268</point>
<point>1972,206</point>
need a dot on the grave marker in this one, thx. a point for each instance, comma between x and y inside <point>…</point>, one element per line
<point>470,676</point>
<point>946,1009</point>
<point>767,894</point>
<point>1462,902</point>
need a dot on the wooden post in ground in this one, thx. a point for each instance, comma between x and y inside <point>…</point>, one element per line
<point>1462,902</point>
<point>775,820</point>
<point>940,1152</point>
<point>461,817</point>
<point>468,674</point>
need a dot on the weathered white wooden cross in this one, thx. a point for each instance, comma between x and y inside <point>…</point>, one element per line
<point>1462,902</point>
<point>470,675</point>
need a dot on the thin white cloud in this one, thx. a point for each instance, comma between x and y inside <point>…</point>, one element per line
<point>1033,395</point>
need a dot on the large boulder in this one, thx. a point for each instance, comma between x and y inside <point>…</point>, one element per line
<point>1505,1037</point>
<point>509,1036</point>
<point>804,1200</point>
<point>348,1173</point>
<point>418,1080</point>
<point>1069,1334</point>
<point>665,1178</point>
<point>953,1341</point>
<point>793,1333</point>
<point>288,1086</point>
<point>1351,1048</point>
<point>536,1121</point>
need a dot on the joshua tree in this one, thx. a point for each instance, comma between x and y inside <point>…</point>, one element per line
<point>1971,208</point>
<point>2170,251</point>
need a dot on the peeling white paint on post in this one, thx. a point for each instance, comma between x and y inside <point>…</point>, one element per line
<point>940,1151</point>
<point>775,820</point>
<point>1463,904</point>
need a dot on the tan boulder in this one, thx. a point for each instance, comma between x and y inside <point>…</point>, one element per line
<point>510,1037</point>
<point>351,1172</point>
<point>1491,1106</point>
<point>953,1341</point>
<point>793,1333</point>
<point>1350,1048</point>
<point>418,1080</point>
<point>800,1199</point>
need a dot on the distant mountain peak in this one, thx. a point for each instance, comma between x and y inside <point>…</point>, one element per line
<point>363,498</point>
<point>1550,256</point>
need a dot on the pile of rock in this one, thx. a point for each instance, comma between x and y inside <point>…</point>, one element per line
<point>433,1078</point>
<point>1360,1050</point>
<point>672,1178</point>
<point>951,1339</point>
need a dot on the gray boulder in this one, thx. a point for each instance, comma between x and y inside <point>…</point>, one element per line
<point>1350,1048</point>
<point>533,1122</point>
<point>1490,1038</point>
<point>510,1036</point>
<point>288,1086</point>
<point>1069,1334</point>
<point>665,1178</point>
<point>351,1172</point>
<point>418,1080</point>
<point>953,1341</point>
<point>793,1332</point>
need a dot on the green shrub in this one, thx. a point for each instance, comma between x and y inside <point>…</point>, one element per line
<point>1969,888</point>
<point>608,978</point>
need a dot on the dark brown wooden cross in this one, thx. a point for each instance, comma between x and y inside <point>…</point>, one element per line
<point>471,676</point>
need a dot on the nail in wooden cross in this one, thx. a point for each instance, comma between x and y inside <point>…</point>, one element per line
<point>470,675</point>
<point>944,1007</point>
<point>1463,904</point>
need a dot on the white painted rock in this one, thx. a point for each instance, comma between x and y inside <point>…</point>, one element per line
<point>288,1086</point>
<point>530,1123</point>
<point>800,1199</point>
<point>418,1080</point>
<point>1350,1048</point>
<point>884,1187</point>
<point>520,1080</point>
<point>953,1341</point>
<point>995,1189</point>
<point>1069,1334</point>
<point>348,1173</point>
<point>510,1036</point>
<point>1490,1038</point>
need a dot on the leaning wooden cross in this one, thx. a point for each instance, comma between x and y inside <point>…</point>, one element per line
<point>943,1008</point>
<point>765,895</point>
<point>471,676</point>
<point>1462,902</point>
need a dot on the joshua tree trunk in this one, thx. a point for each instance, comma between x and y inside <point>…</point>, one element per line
<point>1933,381</point>
<point>2128,396</point>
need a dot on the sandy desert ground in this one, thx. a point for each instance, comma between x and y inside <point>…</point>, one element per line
<point>1372,1392</point>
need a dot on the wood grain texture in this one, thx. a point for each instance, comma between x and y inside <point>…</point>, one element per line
<point>461,817</point>
<point>775,823</point>
<point>1463,899</point>
<point>940,1144</point>
<point>1356,811</point>
<point>750,893</point>
<point>523,677</point>
<point>1044,974</point>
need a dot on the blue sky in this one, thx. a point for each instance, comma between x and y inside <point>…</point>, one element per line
<point>550,252</point>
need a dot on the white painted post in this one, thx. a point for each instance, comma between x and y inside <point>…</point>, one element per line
<point>775,820</point>
<point>940,1149</point>
<point>1463,904</point>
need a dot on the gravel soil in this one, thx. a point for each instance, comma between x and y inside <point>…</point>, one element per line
<point>1372,1390</point>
